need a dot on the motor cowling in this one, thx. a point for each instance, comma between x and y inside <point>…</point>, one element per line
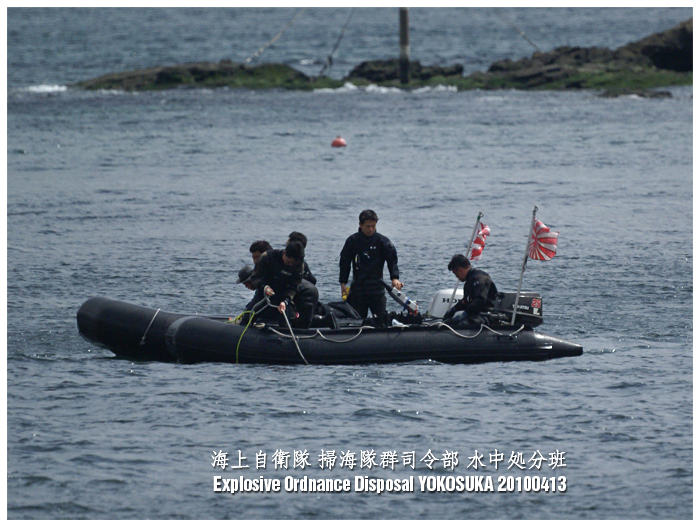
<point>440,303</point>
<point>529,310</point>
<point>529,307</point>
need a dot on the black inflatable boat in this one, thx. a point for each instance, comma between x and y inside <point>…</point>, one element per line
<point>145,334</point>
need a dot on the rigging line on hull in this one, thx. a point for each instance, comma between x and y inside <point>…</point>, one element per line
<point>521,33</point>
<point>329,61</point>
<point>264,302</point>
<point>278,35</point>
<point>296,343</point>
<point>443,325</point>
<point>143,339</point>
<point>267,302</point>
<point>437,324</point>
<point>318,333</point>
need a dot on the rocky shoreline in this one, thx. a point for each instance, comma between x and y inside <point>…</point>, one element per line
<point>662,59</point>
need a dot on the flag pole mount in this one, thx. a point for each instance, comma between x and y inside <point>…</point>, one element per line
<point>522,269</point>
<point>471,243</point>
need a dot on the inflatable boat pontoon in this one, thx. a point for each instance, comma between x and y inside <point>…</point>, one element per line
<point>144,334</point>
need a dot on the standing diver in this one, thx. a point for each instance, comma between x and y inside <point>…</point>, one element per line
<point>367,251</point>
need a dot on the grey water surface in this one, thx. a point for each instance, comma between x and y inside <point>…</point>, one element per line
<point>153,198</point>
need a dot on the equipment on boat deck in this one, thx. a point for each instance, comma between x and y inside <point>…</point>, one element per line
<point>141,333</point>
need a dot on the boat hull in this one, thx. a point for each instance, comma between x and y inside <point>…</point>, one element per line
<point>139,333</point>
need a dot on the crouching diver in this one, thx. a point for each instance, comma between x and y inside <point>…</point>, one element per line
<point>280,272</point>
<point>479,295</point>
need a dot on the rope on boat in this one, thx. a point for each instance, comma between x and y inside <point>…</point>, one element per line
<point>143,339</point>
<point>295,340</point>
<point>344,341</point>
<point>252,312</point>
<point>318,333</point>
<point>278,35</point>
<point>441,324</point>
<point>266,302</point>
<point>511,334</point>
<point>438,324</point>
<point>250,319</point>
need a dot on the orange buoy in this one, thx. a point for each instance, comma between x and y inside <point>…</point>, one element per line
<point>339,141</point>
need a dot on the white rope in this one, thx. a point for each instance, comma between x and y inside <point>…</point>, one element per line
<point>289,336</point>
<point>442,324</point>
<point>319,334</point>
<point>344,341</point>
<point>295,340</point>
<point>439,324</point>
<point>285,28</point>
<point>143,339</point>
<point>521,33</point>
<point>481,328</point>
<point>329,61</point>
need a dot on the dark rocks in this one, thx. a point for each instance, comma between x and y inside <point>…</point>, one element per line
<point>662,59</point>
<point>224,73</point>
<point>642,62</point>
<point>565,56</point>
<point>380,71</point>
<point>202,74</point>
<point>669,50</point>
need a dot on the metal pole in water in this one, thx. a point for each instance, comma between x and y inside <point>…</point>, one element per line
<point>405,47</point>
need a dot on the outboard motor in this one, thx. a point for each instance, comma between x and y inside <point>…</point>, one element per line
<point>440,304</point>
<point>529,306</point>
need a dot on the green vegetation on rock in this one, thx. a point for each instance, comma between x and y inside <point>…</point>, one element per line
<point>662,59</point>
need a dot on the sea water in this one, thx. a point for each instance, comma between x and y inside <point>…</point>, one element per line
<point>154,198</point>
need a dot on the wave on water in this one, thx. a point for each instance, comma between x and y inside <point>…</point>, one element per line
<point>46,88</point>
<point>373,88</point>
<point>438,88</point>
<point>347,87</point>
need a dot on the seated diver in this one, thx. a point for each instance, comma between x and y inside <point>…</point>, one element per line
<point>244,278</point>
<point>479,295</point>
<point>279,272</point>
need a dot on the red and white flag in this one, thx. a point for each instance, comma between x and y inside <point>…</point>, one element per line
<point>543,242</point>
<point>479,242</point>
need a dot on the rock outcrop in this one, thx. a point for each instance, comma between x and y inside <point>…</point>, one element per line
<point>576,67</point>
<point>668,50</point>
<point>201,74</point>
<point>381,71</point>
<point>662,59</point>
<point>658,60</point>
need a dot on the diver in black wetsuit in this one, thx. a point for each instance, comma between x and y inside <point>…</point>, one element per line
<point>479,295</point>
<point>366,251</point>
<point>281,272</point>
<point>301,238</point>
<point>244,278</point>
<point>257,249</point>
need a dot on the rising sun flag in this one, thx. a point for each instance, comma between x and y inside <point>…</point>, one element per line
<point>541,245</point>
<point>477,246</point>
<point>543,242</point>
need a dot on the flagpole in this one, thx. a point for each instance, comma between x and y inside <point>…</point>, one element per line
<point>471,242</point>
<point>522,269</point>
